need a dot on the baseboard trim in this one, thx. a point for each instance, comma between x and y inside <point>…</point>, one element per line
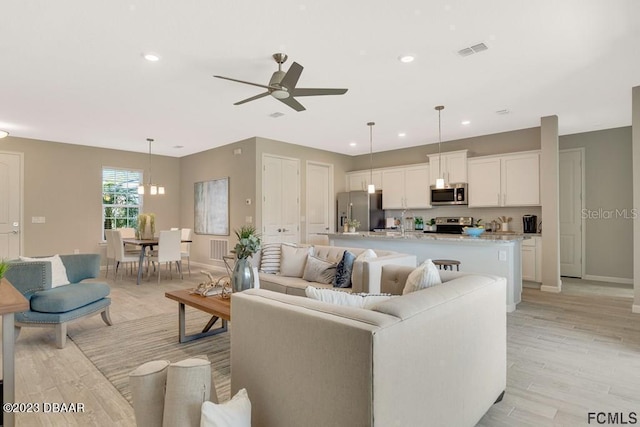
<point>622,280</point>
<point>552,289</point>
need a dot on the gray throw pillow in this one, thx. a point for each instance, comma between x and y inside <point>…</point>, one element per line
<point>319,270</point>
<point>344,270</point>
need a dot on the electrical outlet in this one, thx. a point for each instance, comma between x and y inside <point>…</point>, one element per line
<point>248,219</point>
<point>76,251</point>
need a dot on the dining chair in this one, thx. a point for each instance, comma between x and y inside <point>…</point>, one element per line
<point>122,256</point>
<point>111,252</point>
<point>168,251</point>
<point>185,247</point>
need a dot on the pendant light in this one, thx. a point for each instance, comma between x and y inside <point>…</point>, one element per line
<point>440,179</point>
<point>371,188</point>
<point>153,188</point>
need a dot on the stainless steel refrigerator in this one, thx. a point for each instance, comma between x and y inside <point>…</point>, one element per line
<point>360,205</point>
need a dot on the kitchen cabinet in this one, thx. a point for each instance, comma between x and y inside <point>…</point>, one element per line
<point>509,180</point>
<point>406,188</point>
<point>358,181</point>
<point>454,167</point>
<point>532,259</point>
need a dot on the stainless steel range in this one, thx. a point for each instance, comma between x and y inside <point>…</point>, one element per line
<point>452,225</point>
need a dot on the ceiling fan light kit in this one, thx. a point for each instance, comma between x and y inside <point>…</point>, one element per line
<point>282,85</point>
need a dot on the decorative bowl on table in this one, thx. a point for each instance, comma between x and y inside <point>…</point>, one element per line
<point>473,231</point>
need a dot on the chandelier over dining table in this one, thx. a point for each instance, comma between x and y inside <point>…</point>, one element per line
<point>153,188</point>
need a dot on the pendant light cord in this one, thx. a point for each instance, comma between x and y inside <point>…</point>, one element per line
<point>439,108</point>
<point>150,140</point>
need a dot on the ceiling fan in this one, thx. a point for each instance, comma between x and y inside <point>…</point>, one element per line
<point>282,85</point>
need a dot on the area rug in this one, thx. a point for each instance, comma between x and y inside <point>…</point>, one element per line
<point>119,349</point>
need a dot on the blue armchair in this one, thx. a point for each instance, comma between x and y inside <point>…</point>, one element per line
<point>55,307</point>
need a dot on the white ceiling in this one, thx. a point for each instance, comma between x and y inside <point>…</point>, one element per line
<point>72,71</point>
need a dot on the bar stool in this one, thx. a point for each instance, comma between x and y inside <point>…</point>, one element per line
<point>444,264</point>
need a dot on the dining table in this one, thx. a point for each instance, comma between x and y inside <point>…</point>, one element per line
<point>144,244</point>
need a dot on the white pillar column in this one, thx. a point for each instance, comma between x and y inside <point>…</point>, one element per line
<point>635,147</point>
<point>549,197</point>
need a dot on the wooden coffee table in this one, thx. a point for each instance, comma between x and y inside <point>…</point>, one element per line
<point>219,307</point>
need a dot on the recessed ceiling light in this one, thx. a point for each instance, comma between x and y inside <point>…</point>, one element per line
<point>406,58</point>
<point>151,57</point>
<point>4,134</point>
<point>402,134</point>
<point>466,122</point>
<point>353,144</point>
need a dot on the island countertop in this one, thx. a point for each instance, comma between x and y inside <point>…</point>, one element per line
<point>415,235</point>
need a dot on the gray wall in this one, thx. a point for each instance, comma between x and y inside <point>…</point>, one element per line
<point>63,182</point>
<point>608,186</point>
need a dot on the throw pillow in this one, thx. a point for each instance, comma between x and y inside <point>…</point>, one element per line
<point>232,413</point>
<point>369,253</point>
<point>58,270</point>
<point>425,276</point>
<point>293,260</point>
<point>343,271</point>
<point>147,383</point>
<point>319,270</point>
<point>270,258</point>
<point>361,300</point>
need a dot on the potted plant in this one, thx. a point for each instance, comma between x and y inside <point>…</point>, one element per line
<point>353,225</point>
<point>431,224</point>
<point>248,244</point>
<point>419,223</point>
<point>142,230</point>
<point>4,266</point>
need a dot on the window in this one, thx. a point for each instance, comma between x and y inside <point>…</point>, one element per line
<point>121,202</point>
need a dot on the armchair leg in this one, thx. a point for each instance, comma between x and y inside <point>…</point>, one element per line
<point>106,318</point>
<point>499,399</point>
<point>61,335</point>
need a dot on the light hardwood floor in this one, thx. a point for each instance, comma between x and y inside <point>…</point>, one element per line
<point>568,354</point>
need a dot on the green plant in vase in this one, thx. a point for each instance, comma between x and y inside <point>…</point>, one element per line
<point>4,267</point>
<point>419,223</point>
<point>248,244</point>
<point>353,225</point>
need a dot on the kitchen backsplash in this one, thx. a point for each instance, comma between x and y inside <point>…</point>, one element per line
<point>485,214</point>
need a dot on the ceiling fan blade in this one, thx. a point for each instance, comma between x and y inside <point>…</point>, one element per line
<point>253,98</point>
<point>290,80</point>
<point>316,92</point>
<point>291,102</point>
<point>242,81</point>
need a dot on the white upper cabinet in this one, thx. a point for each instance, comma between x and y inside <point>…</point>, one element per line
<point>454,167</point>
<point>509,180</point>
<point>406,188</point>
<point>358,181</point>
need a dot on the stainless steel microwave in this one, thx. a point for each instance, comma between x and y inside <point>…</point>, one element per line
<point>451,194</point>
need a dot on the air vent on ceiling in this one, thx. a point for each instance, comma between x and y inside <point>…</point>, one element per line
<point>473,49</point>
<point>276,114</point>
<point>504,111</point>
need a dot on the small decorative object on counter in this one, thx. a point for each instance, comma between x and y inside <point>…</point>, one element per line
<point>419,223</point>
<point>353,225</point>
<point>504,222</point>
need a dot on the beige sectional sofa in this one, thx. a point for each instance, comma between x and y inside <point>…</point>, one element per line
<point>365,277</point>
<point>432,357</point>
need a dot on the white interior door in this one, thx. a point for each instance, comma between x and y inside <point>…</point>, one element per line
<point>571,204</point>
<point>10,205</point>
<point>320,200</point>
<point>280,199</point>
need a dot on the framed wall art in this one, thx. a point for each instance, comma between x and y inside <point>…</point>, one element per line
<point>212,207</point>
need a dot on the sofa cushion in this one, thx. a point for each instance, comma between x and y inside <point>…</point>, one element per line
<point>58,270</point>
<point>319,270</point>
<point>366,301</point>
<point>270,258</point>
<point>68,297</point>
<point>344,270</point>
<point>232,413</point>
<point>293,260</point>
<point>425,276</point>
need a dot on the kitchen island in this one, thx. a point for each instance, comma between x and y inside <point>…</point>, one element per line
<point>497,254</point>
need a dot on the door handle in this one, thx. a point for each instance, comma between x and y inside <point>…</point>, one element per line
<point>284,230</point>
<point>279,230</point>
<point>15,232</point>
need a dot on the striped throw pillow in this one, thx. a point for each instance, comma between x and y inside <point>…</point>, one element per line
<point>270,258</point>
